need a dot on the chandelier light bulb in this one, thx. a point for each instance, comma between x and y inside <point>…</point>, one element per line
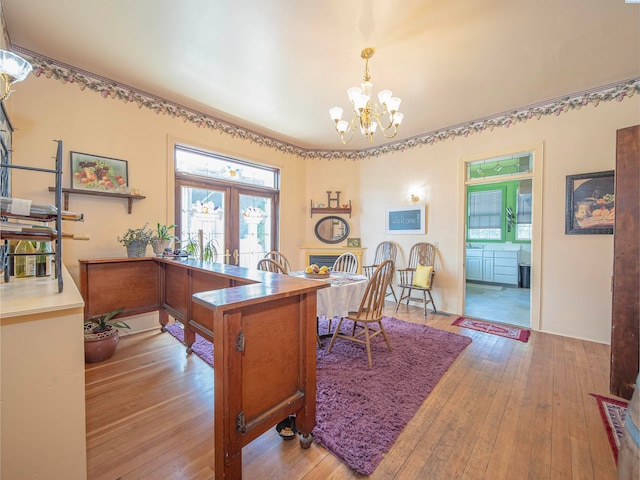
<point>368,115</point>
<point>335,113</point>
<point>13,69</point>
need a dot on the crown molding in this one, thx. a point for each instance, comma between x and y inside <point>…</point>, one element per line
<point>49,68</point>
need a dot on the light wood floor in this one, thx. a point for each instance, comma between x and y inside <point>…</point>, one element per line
<point>505,410</point>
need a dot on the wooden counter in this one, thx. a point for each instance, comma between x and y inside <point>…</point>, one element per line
<point>264,326</point>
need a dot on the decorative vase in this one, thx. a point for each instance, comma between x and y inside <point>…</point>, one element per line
<point>159,246</point>
<point>99,346</point>
<point>137,249</point>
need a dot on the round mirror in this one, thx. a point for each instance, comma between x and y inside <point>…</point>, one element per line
<point>332,229</point>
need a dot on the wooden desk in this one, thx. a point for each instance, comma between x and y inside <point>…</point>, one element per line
<point>264,326</point>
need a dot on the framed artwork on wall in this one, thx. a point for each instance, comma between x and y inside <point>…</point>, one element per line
<point>405,220</point>
<point>103,174</point>
<point>590,203</point>
<point>353,242</point>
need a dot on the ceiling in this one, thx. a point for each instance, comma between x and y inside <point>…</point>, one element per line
<point>277,66</point>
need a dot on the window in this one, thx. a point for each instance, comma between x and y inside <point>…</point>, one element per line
<point>226,209</point>
<point>485,215</point>
<point>523,211</point>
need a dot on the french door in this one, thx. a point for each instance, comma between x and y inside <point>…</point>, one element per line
<point>226,223</point>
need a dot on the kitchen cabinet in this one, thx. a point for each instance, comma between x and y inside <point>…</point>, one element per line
<point>505,267</point>
<point>493,266</point>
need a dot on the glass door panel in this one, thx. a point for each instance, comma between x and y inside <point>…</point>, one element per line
<point>255,228</point>
<point>202,224</point>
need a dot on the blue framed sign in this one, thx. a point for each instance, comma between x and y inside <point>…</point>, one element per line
<point>405,220</point>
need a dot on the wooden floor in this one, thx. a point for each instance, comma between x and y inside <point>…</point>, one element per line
<point>505,410</point>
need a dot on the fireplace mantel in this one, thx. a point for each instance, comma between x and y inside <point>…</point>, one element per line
<point>331,253</point>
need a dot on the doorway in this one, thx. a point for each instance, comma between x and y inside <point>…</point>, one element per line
<point>500,227</point>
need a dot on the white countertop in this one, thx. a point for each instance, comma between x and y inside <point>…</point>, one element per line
<point>26,296</point>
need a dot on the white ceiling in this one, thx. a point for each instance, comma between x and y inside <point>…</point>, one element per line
<point>277,66</point>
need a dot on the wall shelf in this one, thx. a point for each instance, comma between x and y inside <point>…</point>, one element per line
<point>66,191</point>
<point>329,210</point>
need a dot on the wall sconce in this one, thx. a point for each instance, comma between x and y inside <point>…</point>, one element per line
<point>13,69</point>
<point>415,198</point>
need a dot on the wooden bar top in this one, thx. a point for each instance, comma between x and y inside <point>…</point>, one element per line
<point>256,284</point>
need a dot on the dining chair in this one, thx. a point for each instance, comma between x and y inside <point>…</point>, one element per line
<point>347,262</point>
<point>268,265</point>
<point>418,275</point>
<point>280,258</point>
<point>369,313</point>
<point>384,251</point>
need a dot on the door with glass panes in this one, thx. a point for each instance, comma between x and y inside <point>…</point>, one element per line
<point>228,225</point>
<point>226,209</point>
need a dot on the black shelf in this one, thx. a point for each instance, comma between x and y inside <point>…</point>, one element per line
<point>58,200</point>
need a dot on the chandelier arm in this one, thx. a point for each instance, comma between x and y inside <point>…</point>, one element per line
<point>7,87</point>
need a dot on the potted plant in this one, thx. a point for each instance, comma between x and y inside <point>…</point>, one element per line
<point>136,240</point>
<point>101,336</point>
<point>162,238</point>
<point>209,249</point>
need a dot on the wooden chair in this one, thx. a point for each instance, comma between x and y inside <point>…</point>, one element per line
<point>268,265</point>
<point>280,258</point>
<point>369,312</point>
<point>418,275</point>
<point>347,262</point>
<point>384,251</point>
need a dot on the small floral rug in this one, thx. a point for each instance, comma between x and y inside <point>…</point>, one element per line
<point>613,413</point>
<point>499,329</point>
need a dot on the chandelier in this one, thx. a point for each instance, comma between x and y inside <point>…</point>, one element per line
<point>13,69</point>
<point>366,115</point>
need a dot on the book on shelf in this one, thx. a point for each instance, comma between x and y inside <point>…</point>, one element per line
<point>26,209</point>
<point>36,233</point>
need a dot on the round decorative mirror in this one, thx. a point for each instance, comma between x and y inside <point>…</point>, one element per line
<point>332,229</point>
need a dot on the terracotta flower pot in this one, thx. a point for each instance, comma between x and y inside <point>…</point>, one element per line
<point>99,346</point>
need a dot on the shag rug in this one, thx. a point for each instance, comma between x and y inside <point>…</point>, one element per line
<point>360,412</point>
<point>613,413</point>
<point>499,329</point>
<point>201,347</point>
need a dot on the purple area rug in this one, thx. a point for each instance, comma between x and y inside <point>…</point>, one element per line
<point>360,411</point>
<point>201,347</point>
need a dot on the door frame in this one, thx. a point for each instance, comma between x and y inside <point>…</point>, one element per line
<point>537,151</point>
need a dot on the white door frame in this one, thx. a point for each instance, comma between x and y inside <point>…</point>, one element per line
<point>537,150</point>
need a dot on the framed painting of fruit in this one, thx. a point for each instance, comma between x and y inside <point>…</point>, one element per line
<point>591,203</point>
<point>92,172</point>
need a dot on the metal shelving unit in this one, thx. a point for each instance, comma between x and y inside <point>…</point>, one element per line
<point>58,203</point>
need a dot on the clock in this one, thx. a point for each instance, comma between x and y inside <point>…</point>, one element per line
<point>353,242</point>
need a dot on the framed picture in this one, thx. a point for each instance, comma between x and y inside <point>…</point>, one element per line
<point>405,220</point>
<point>92,172</point>
<point>353,242</point>
<point>590,204</point>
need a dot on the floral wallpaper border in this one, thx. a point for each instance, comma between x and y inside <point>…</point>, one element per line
<point>43,66</point>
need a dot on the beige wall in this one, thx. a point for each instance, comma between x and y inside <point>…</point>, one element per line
<point>574,271</point>
<point>43,110</point>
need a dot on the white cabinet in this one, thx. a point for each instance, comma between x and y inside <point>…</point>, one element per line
<point>496,266</point>
<point>505,267</point>
<point>487,266</point>
<point>474,265</point>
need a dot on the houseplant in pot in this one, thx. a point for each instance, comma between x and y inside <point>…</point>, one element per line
<point>101,336</point>
<point>136,240</point>
<point>162,238</point>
